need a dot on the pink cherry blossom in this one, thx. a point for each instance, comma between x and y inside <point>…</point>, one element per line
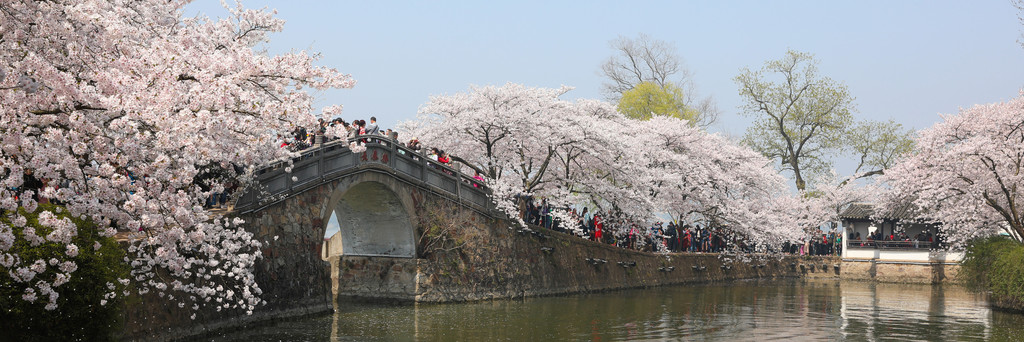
<point>966,173</point>
<point>121,110</point>
<point>530,142</point>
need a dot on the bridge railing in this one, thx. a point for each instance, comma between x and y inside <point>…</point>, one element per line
<point>334,159</point>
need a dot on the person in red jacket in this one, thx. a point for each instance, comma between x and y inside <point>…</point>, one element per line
<point>687,239</point>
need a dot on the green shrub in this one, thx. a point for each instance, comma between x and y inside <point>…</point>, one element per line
<point>994,264</point>
<point>979,257</point>
<point>1009,280</point>
<point>79,315</point>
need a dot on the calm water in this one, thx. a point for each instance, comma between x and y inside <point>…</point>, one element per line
<point>794,310</point>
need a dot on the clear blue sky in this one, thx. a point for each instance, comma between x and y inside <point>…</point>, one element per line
<point>906,60</point>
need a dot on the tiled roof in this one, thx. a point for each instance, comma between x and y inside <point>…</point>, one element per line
<point>857,211</point>
<point>864,211</point>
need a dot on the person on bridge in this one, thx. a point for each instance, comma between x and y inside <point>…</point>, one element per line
<point>443,157</point>
<point>434,154</point>
<point>478,178</point>
<point>414,145</point>
<point>372,128</point>
<point>361,125</point>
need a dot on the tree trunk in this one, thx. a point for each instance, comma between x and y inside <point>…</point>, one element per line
<point>521,204</point>
<point>800,184</point>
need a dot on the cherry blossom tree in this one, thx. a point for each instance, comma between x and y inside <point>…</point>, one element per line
<point>835,194</point>
<point>966,173</point>
<point>820,206</point>
<point>528,142</point>
<point>704,177</point>
<point>130,115</point>
<point>525,141</point>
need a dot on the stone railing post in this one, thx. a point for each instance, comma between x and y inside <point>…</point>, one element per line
<point>423,168</point>
<point>458,186</point>
<point>320,163</point>
<point>394,153</point>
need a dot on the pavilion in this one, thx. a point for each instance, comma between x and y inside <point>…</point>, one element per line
<point>860,218</point>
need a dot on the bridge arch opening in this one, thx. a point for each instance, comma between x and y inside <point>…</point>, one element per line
<point>371,220</point>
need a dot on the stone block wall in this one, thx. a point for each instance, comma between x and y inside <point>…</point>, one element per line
<point>900,272</point>
<point>462,254</point>
<point>485,259</point>
<point>294,278</point>
<point>523,268</point>
<point>373,277</point>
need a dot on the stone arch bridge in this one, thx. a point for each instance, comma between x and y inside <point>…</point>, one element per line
<point>411,230</point>
<point>379,197</point>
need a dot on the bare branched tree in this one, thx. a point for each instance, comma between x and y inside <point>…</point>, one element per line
<point>643,59</point>
<point>1019,4</point>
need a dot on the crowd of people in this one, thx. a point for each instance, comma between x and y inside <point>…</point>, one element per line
<point>830,243</point>
<point>302,138</point>
<point>661,236</point>
<point>595,226</point>
<point>654,237</point>
<point>894,239</point>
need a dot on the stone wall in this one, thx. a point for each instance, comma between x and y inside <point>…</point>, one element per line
<point>899,271</point>
<point>295,280</point>
<point>422,280</point>
<point>482,258</point>
<point>293,277</point>
<point>331,247</point>
<point>462,253</point>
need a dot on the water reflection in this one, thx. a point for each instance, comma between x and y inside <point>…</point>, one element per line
<point>879,312</point>
<point>757,310</point>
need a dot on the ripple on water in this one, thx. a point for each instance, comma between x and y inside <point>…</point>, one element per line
<point>792,310</point>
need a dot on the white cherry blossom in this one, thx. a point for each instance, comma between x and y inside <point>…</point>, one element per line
<point>966,173</point>
<point>131,115</point>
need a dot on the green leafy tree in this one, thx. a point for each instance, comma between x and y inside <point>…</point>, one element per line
<point>878,145</point>
<point>648,99</point>
<point>800,116</point>
<point>803,119</point>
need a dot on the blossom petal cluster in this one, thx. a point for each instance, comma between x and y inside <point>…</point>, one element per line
<point>530,142</point>
<point>966,173</point>
<point>131,115</point>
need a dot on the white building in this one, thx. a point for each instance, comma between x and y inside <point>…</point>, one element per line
<point>895,237</point>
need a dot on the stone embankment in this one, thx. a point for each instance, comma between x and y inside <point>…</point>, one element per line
<point>900,271</point>
<point>511,264</point>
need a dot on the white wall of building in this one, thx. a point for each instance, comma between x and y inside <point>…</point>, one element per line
<point>853,250</point>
